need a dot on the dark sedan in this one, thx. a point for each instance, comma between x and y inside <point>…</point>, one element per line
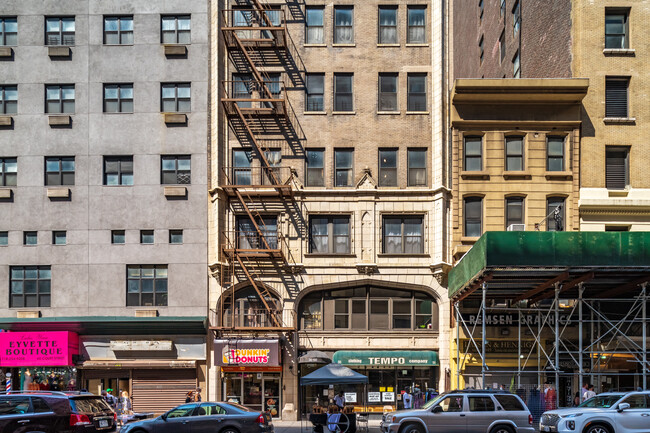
<point>205,418</point>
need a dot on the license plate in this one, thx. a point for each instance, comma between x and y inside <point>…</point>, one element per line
<point>103,423</point>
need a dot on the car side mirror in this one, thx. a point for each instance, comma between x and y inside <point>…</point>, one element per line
<point>437,409</point>
<point>623,406</point>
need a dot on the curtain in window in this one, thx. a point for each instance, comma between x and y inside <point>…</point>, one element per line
<point>344,34</point>
<point>392,236</point>
<point>413,236</point>
<point>319,237</point>
<point>388,26</point>
<point>417,26</point>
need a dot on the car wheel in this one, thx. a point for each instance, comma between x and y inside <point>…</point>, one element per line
<point>412,428</point>
<point>598,428</point>
<point>229,430</point>
<point>502,429</point>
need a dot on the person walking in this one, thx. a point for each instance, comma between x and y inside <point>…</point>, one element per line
<point>339,400</point>
<point>590,393</point>
<point>407,398</point>
<point>197,395</point>
<point>124,407</point>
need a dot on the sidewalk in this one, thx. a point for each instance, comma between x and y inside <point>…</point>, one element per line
<point>295,426</point>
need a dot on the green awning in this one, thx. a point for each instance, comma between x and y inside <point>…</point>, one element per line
<point>388,358</point>
<point>514,262</point>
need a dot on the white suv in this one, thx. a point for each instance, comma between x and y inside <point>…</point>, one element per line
<point>611,412</point>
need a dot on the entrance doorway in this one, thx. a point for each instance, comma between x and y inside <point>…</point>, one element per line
<point>259,391</point>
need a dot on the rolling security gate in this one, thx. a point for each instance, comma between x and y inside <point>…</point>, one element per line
<point>160,390</point>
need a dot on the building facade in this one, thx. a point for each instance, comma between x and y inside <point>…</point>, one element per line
<point>103,170</point>
<point>328,224</point>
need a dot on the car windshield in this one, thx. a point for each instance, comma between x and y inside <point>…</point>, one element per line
<point>602,401</point>
<point>429,404</point>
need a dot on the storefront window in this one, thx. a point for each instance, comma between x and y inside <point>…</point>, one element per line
<point>47,378</point>
<point>311,313</point>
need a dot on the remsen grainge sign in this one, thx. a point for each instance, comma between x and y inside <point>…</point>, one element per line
<point>38,349</point>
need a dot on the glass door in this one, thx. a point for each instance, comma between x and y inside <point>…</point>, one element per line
<point>253,390</point>
<point>272,395</point>
<point>232,388</point>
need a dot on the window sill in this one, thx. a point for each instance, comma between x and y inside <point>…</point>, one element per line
<point>620,120</point>
<point>179,119</point>
<point>118,112</point>
<point>417,113</point>
<point>344,45</point>
<point>468,239</point>
<point>315,113</point>
<point>59,51</point>
<point>6,52</point>
<point>315,45</point>
<point>118,45</point>
<point>316,255</point>
<point>6,121</point>
<point>403,255</point>
<point>344,113</point>
<point>619,52</point>
<point>558,175</point>
<point>618,192</point>
<point>417,45</point>
<point>484,175</point>
<point>117,186</point>
<point>388,45</point>
<point>391,113</point>
<point>516,175</point>
<point>6,193</point>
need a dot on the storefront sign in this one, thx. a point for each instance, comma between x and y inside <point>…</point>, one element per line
<point>500,346</point>
<point>509,319</point>
<point>247,352</point>
<point>350,397</point>
<point>388,396</point>
<point>391,358</point>
<point>38,349</point>
<point>141,345</point>
<point>374,397</point>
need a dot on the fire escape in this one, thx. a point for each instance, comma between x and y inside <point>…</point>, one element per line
<point>260,117</point>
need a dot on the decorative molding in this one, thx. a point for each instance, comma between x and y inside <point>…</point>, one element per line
<point>367,182</point>
<point>367,268</point>
<point>295,268</point>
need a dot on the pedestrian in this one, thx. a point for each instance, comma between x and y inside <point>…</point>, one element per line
<point>124,407</point>
<point>108,398</point>
<point>407,398</point>
<point>550,398</point>
<point>339,400</point>
<point>576,399</point>
<point>189,397</point>
<point>590,393</point>
<point>197,394</point>
<point>585,388</point>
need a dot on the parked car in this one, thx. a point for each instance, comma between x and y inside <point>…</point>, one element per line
<point>55,412</point>
<point>610,412</point>
<point>467,411</point>
<point>206,417</point>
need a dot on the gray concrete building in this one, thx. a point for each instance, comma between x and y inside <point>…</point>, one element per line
<point>103,210</point>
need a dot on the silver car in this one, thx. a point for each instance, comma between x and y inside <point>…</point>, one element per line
<point>468,411</point>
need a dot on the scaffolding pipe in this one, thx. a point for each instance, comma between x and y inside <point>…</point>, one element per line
<point>519,350</point>
<point>557,344</point>
<point>539,348</point>
<point>457,347</point>
<point>644,342</point>
<point>483,329</point>
<point>580,342</point>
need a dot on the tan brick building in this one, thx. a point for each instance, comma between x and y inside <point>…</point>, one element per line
<point>329,197</point>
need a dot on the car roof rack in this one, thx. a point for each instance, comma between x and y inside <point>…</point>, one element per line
<point>45,392</point>
<point>479,391</point>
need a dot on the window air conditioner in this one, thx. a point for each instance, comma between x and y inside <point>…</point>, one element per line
<point>517,227</point>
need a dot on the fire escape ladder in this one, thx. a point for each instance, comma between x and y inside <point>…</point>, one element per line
<point>262,293</point>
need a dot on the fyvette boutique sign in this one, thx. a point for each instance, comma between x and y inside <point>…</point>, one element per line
<point>38,349</point>
<point>246,352</point>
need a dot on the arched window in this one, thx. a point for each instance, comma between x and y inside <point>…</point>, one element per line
<point>249,310</point>
<point>370,308</point>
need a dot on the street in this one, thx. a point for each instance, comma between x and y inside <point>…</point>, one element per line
<point>306,427</point>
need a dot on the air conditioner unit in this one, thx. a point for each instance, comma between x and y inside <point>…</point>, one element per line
<point>517,227</point>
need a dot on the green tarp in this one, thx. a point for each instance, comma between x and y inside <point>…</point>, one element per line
<point>389,358</point>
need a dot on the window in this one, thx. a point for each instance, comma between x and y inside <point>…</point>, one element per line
<point>8,31</point>
<point>417,92</point>
<point>30,238</point>
<point>59,170</point>
<point>403,235</point>
<point>417,167</point>
<point>314,25</point>
<point>480,404</point>
<point>554,153</point>
<point>118,98</point>
<point>175,29</point>
<point>242,89</point>
<point>315,167</point>
<point>555,214</point>
<point>616,90</point>
<point>4,238</point>
<point>516,18</point>
<point>118,170</point>
<point>343,25</point>
<point>118,30</point>
<point>59,237</point>
<point>387,167</point>
<point>502,45</point>
<point>329,235</point>
<point>481,50</point>
<point>387,24</point>
<point>175,97</point>
<point>388,92</point>
<point>343,161</point>
<point>181,411</point>
<point>59,99</point>
<point>30,286</point>
<point>509,402</point>
<point>176,236</point>
<point>617,228</point>
<point>637,401</point>
<point>40,405</point>
<point>146,236</point>
<point>8,171</point>
<point>118,237</point>
<point>59,31</point>
<point>379,314</point>
<point>175,170</point>
<point>146,285</point>
<point>402,314</point>
<point>8,99</point>
<point>341,314</point>
<point>473,153</point>
<point>616,29</point>
<point>315,92</point>
<point>473,207</point>
<point>343,92</point>
<point>417,19</point>
<point>617,167</point>
<point>241,170</point>
<point>210,409</point>
<point>516,66</point>
<point>248,237</point>
<point>514,153</point>
<point>14,405</point>
<point>514,211</point>
<point>452,403</point>
<point>502,9</point>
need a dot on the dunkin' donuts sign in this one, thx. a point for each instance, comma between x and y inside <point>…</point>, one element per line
<point>247,352</point>
<point>36,349</point>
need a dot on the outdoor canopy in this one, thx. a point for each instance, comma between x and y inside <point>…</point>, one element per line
<point>333,374</point>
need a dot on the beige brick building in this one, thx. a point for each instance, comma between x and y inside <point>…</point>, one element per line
<point>611,48</point>
<point>329,200</point>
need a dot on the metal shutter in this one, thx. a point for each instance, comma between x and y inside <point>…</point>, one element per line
<point>160,390</point>
<point>616,169</point>
<point>616,97</point>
